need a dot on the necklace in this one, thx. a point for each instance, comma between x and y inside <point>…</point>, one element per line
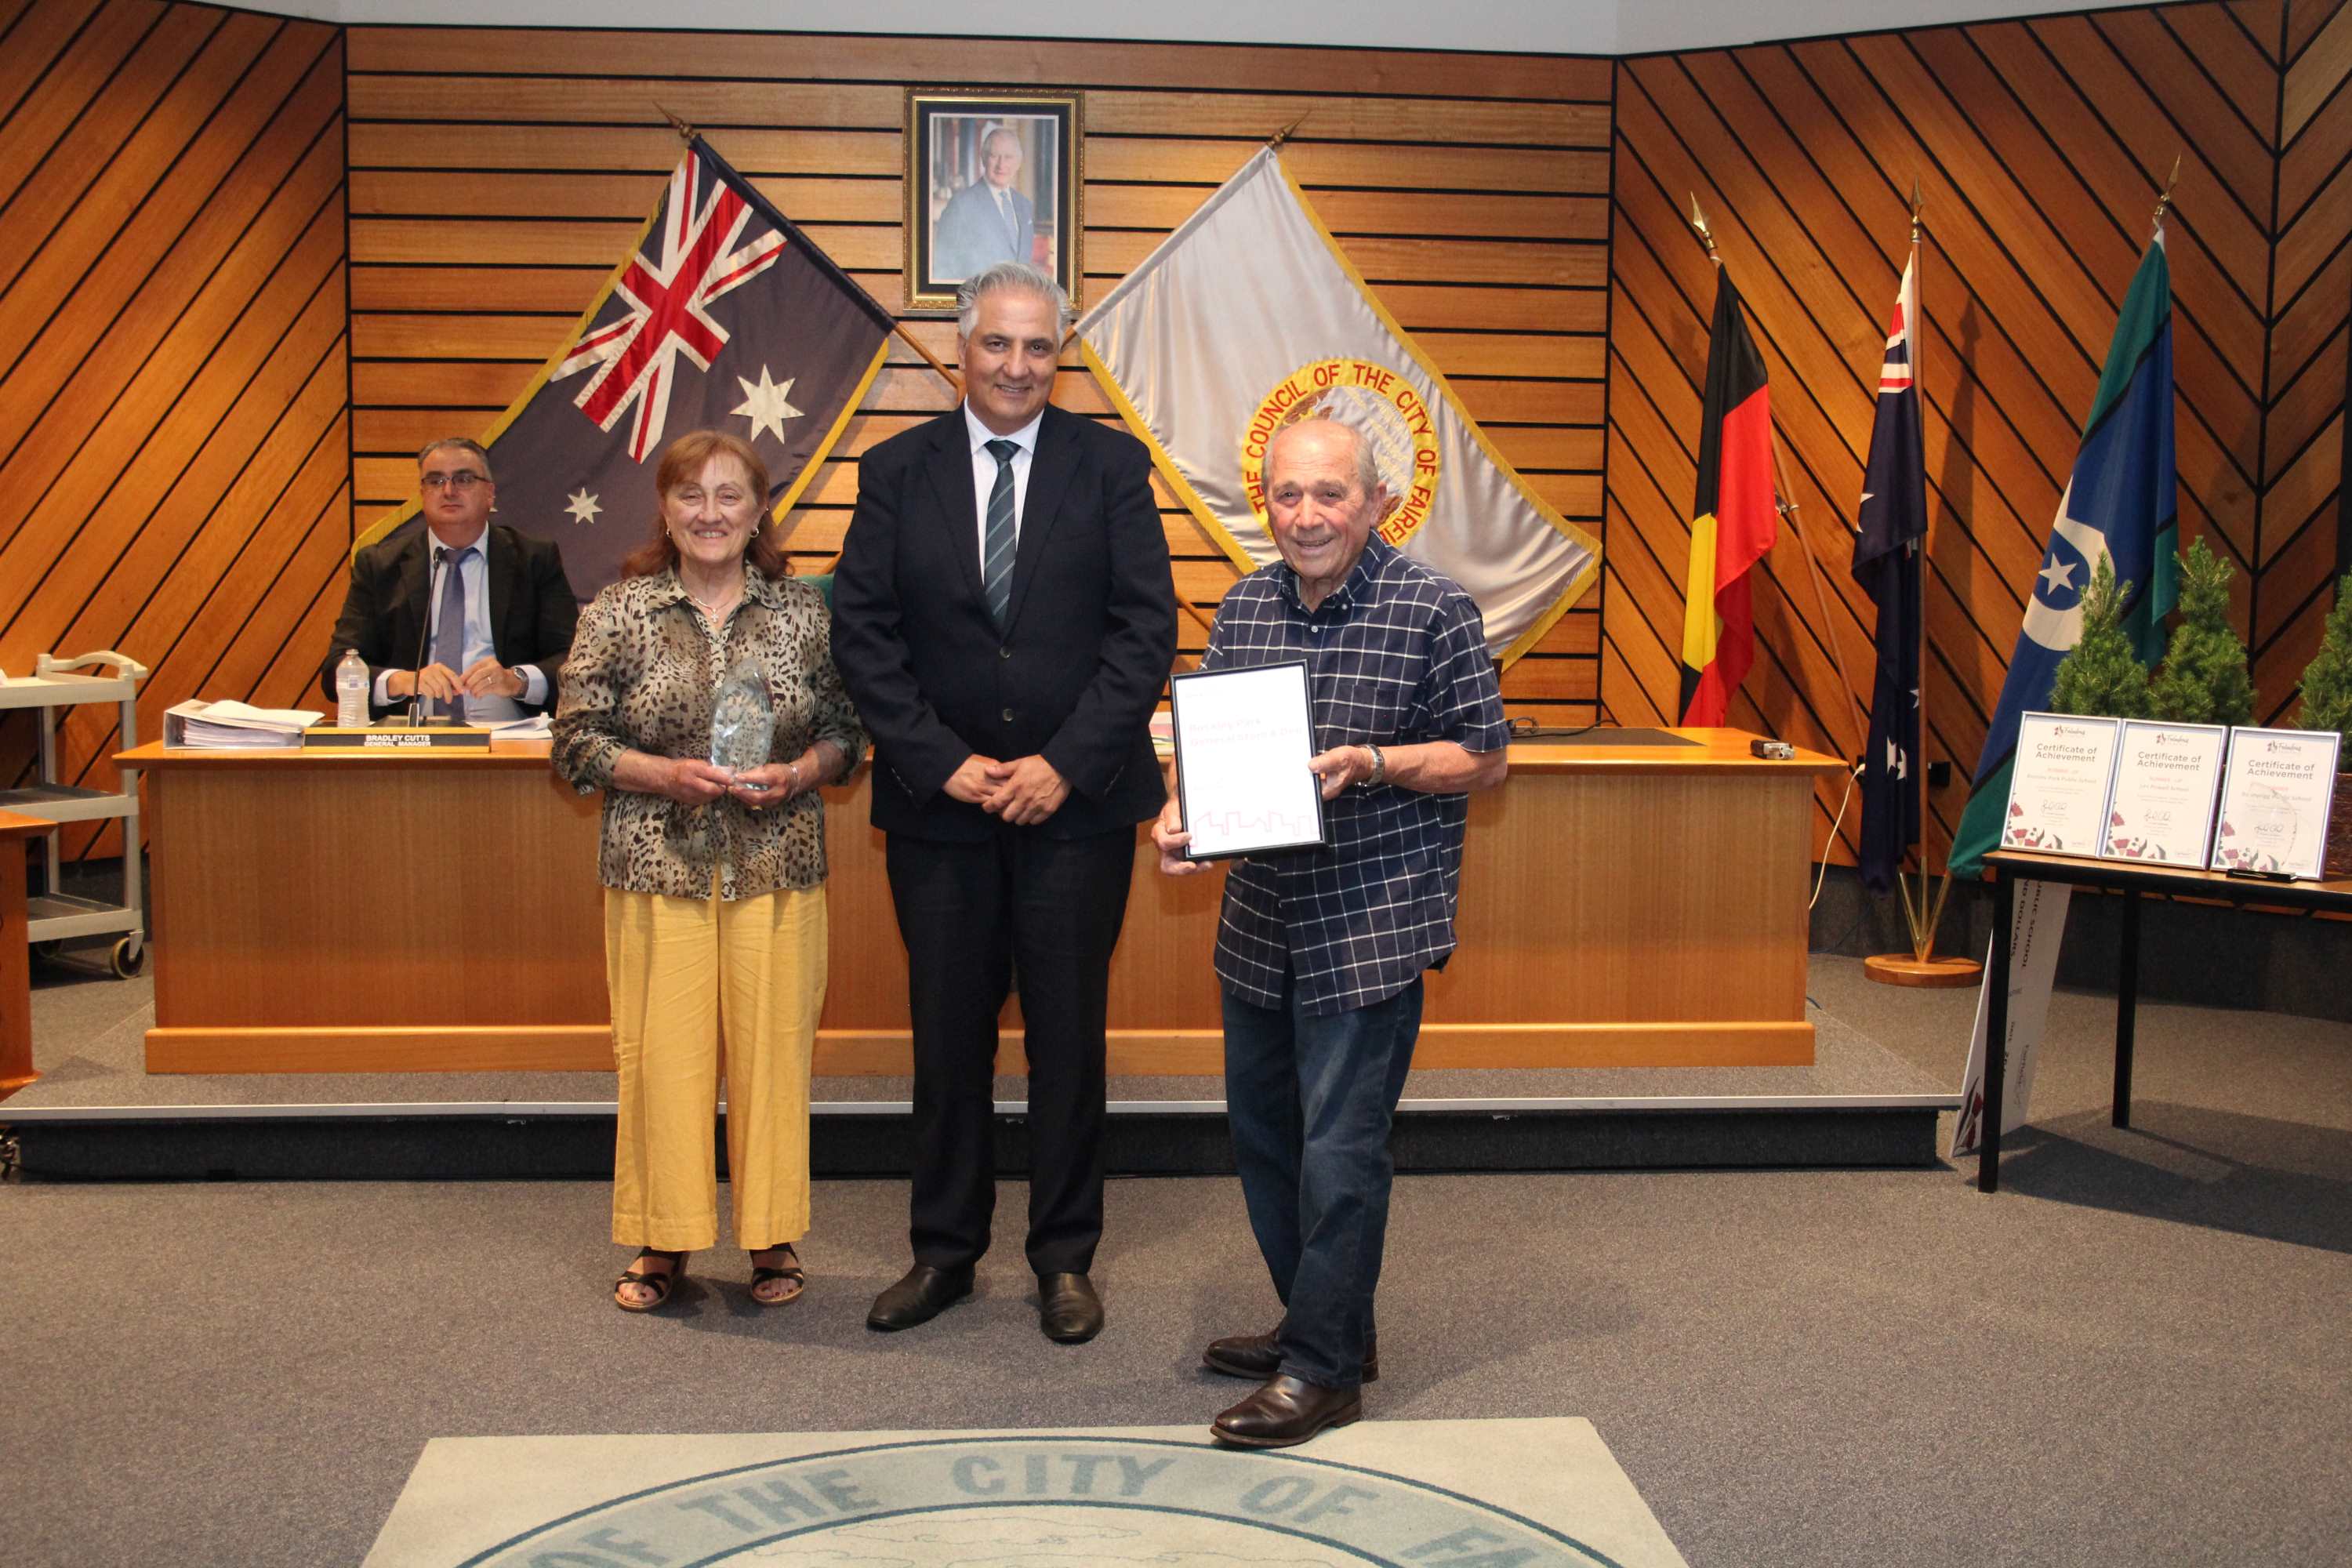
<point>714,612</point>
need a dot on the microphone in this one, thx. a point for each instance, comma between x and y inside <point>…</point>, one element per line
<point>433,569</point>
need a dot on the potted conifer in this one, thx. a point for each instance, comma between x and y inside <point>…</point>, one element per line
<point>2101,675</point>
<point>2327,691</point>
<point>2204,679</point>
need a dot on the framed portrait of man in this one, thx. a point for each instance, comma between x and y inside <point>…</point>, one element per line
<point>991,175</point>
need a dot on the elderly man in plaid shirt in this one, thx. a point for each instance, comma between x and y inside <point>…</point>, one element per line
<point>1320,951</point>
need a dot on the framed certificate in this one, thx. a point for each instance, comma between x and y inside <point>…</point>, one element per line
<point>2166,777</point>
<point>2058,784</point>
<point>2274,797</point>
<point>1243,738</point>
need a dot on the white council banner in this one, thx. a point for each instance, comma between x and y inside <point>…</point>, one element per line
<point>1248,318</point>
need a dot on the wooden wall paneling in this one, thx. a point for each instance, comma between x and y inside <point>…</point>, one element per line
<point>93,507</point>
<point>170,265</point>
<point>477,237</point>
<point>2320,38</point>
<point>1680,285</point>
<point>2041,144</point>
<point>169,573</point>
<point>35,38</point>
<point>159,180</point>
<point>102,346</point>
<point>1380,73</point>
<point>2301,480</point>
<point>83,72</point>
<point>103,139</point>
<point>232,585</point>
<point>2315,154</point>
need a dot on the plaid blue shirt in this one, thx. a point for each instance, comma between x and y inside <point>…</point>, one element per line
<point>1396,656</point>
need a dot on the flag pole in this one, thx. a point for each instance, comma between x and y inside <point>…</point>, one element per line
<point>686,132</point>
<point>1923,914</point>
<point>1787,510</point>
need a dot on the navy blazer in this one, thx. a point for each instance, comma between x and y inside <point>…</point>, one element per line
<point>532,610</point>
<point>1075,676</point>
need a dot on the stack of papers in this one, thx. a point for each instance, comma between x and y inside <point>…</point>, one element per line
<point>539,726</point>
<point>213,724</point>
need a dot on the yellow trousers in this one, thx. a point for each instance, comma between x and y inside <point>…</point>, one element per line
<point>682,972</point>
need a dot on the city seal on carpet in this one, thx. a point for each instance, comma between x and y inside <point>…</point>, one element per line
<point>1428,1494</point>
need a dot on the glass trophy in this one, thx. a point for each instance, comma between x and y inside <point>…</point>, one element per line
<point>743,720</point>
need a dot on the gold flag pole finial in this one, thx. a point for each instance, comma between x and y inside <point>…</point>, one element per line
<point>685,132</point>
<point>1919,208</point>
<point>2165,199</point>
<point>1698,222</point>
<point>1287,133</point>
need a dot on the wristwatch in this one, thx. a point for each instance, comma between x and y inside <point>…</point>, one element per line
<point>1380,767</point>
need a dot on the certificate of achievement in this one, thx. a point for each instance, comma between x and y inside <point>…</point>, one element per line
<point>2058,784</point>
<point>2274,797</point>
<point>1243,738</point>
<point>2166,777</point>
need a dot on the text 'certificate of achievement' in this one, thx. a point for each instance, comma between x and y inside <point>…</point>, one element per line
<point>2166,777</point>
<point>2058,785</point>
<point>2275,799</point>
<point>1243,738</point>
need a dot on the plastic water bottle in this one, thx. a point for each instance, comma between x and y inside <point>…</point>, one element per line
<point>352,691</point>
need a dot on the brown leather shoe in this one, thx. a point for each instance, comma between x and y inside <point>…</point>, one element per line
<point>1259,1356</point>
<point>1068,1310</point>
<point>1284,1413</point>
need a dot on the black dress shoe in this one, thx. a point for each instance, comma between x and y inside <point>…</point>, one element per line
<point>922,1295</point>
<point>1259,1356</point>
<point>1067,1308</point>
<point>1284,1413</point>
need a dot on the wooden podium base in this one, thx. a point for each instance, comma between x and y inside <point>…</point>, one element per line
<point>1902,969</point>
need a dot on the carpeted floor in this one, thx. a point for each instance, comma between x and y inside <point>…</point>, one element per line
<point>2134,1354</point>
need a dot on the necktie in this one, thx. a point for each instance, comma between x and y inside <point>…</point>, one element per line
<point>1005,209</point>
<point>996,544</point>
<point>449,626</point>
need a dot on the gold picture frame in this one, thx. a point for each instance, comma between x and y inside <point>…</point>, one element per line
<point>988,169</point>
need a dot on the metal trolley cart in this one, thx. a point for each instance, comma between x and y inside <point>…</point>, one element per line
<point>56,915</point>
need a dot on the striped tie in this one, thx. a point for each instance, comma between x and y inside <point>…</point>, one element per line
<point>996,544</point>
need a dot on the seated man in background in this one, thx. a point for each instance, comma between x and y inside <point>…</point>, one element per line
<point>500,607</point>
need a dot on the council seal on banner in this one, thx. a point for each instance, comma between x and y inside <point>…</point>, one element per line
<point>1371,398</point>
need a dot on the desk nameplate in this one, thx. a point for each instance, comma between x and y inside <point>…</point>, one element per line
<point>395,737</point>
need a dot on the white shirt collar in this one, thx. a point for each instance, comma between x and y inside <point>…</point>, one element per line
<point>980,434</point>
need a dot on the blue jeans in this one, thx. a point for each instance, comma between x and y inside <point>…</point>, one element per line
<point>1310,1100</point>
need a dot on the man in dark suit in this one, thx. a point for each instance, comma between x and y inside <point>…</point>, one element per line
<point>500,609</point>
<point>988,221</point>
<point>1004,619</point>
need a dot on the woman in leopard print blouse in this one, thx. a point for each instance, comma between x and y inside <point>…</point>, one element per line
<point>714,901</point>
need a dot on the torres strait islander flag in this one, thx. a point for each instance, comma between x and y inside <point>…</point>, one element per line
<point>1248,318</point>
<point>1734,519</point>
<point>2121,500</point>
<point>1893,528</point>
<point>722,315</point>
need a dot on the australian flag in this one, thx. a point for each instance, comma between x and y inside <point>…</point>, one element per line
<point>1893,521</point>
<point>2122,500</point>
<point>724,316</point>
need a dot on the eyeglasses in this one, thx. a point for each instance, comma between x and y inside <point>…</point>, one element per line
<point>462,479</point>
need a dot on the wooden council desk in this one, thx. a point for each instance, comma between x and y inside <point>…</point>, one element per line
<point>320,912</point>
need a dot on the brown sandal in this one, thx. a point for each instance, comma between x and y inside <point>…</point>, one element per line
<point>793,1273</point>
<point>661,1284</point>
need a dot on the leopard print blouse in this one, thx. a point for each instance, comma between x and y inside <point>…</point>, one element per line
<point>644,668</point>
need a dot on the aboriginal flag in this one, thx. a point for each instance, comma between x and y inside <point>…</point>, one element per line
<point>1893,525</point>
<point>722,315</point>
<point>1733,519</point>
